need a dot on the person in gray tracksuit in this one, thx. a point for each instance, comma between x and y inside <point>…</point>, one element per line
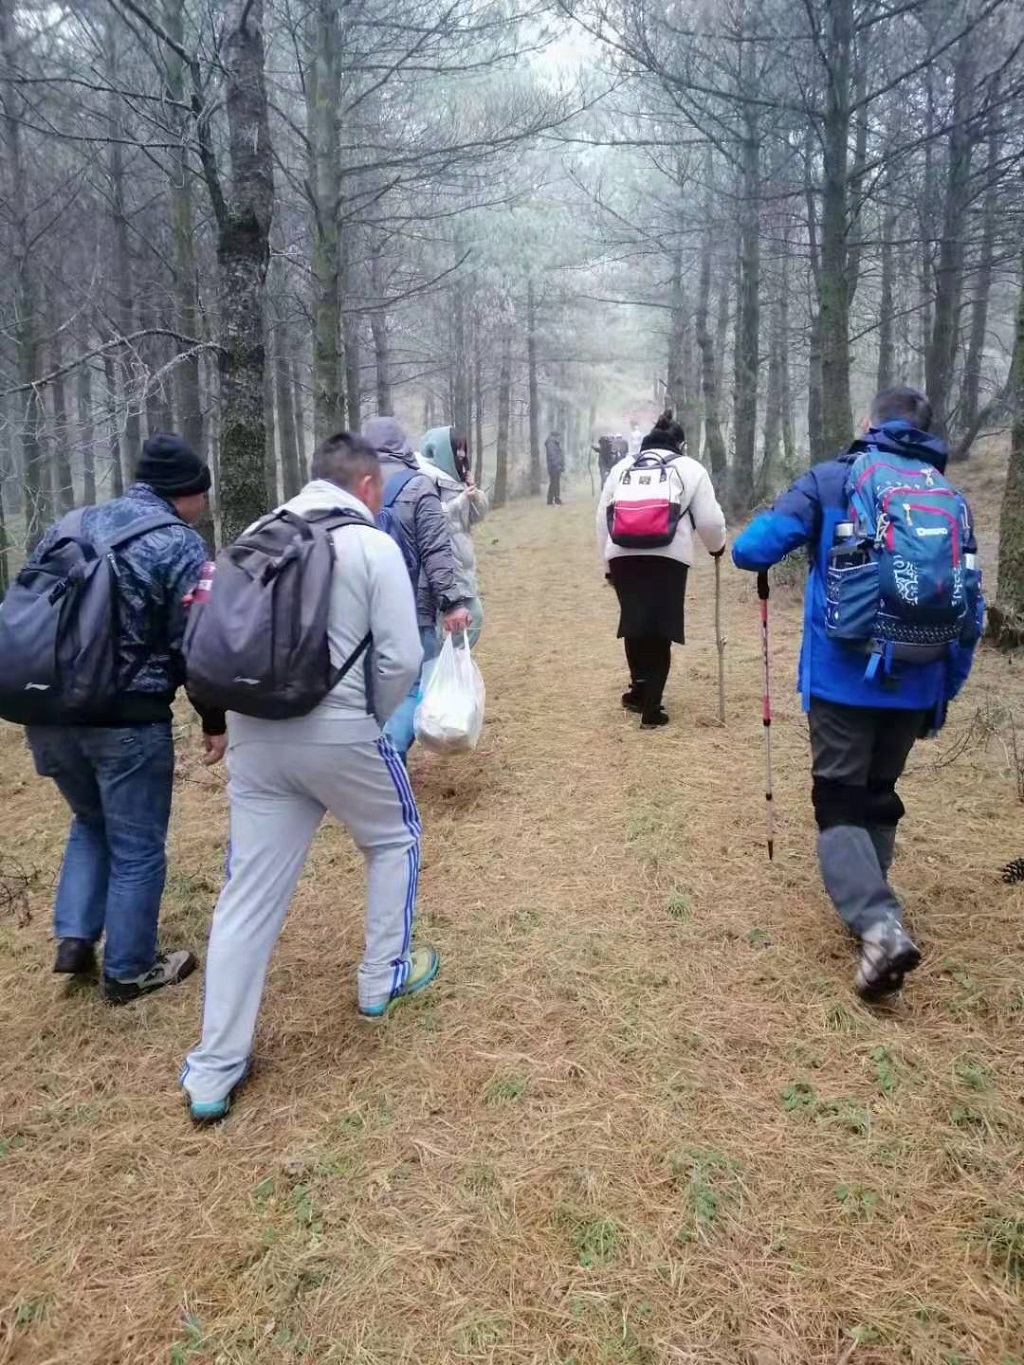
<point>286,774</point>
<point>424,526</point>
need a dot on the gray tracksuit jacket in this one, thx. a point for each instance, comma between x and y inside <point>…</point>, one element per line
<point>422,519</point>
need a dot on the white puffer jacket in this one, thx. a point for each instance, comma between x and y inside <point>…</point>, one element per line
<point>463,508</point>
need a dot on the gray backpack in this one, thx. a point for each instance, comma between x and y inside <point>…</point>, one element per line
<point>258,642</point>
<point>59,658</point>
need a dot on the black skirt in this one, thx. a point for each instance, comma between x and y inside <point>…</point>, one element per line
<point>652,596</point>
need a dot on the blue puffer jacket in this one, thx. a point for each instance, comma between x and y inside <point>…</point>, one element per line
<point>807,514</point>
<point>158,572</point>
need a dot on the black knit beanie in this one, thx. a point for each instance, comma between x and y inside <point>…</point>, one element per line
<point>171,467</point>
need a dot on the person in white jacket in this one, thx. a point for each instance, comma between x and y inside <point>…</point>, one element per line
<point>651,583</point>
<point>285,775</point>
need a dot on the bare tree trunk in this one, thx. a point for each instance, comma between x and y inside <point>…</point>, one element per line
<point>113,427</point>
<point>379,332</point>
<point>834,278</point>
<point>886,306</point>
<point>717,459</point>
<point>60,462</point>
<point>940,359</point>
<point>299,410</point>
<point>269,420</point>
<point>478,401</point>
<point>982,286</point>
<point>351,326</point>
<point>461,379</point>
<point>324,99</point>
<point>243,253</point>
<point>86,434</point>
<point>1006,618</point>
<point>531,361</point>
<point>504,410</point>
<point>675,376</point>
<point>748,325</point>
<point>291,473</point>
<point>187,381</point>
<point>159,414</point>
<point>122,260</point>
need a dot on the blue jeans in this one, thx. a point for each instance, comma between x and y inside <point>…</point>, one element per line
<point>118,785</point>
<point>400,729</point>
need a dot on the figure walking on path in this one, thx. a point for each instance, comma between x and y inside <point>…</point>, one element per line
<point>286,774</point>
<point>649,508</point>
<point>444,457</point>
<point>869,701</point>
<point>556,467</point>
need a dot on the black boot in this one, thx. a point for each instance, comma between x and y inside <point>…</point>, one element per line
<point>653,719</point>
<point>75,957</point>
<point>633,699</point>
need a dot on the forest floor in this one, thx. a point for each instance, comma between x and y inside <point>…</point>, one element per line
<point>641,1118</point>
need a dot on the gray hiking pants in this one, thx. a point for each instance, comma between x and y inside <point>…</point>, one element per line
<point>858,755</point>
<point>279,793</point>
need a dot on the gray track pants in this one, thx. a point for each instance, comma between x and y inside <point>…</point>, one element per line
<point>859,754</point>
<point>279,793</point>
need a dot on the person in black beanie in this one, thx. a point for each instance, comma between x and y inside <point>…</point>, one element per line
<point>116,771</point>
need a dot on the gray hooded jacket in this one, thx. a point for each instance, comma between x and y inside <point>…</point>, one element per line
<point>422,519</point>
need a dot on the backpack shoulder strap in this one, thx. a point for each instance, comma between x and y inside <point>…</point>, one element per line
<point>394,486</point>
<point>334,518</point>
<point>142,527</point>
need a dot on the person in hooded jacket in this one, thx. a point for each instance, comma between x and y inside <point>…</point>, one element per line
<point>444,457</point>
<point>862,729</point>
<point>424,528</point>
<point>556,468</point>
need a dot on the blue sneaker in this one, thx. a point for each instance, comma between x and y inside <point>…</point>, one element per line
<point>205,1112</point>
<point>423,967</point>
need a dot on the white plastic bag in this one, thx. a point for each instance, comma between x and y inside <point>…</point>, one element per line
<point>451,715</point>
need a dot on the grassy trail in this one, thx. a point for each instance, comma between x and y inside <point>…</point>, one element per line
<point>640,1119</point>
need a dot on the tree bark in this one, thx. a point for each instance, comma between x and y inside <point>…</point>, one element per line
<point>243,254</point>
<point>534,396</point>
<point>504,413</point>
<point>834,279</point>
<point>478,401</point>
<point>299,411</point>
<point>351,327</point>
<point>86,434</point>
<point>675,373</point>
<point>940,358</point>
<point>379,332</point>
<point>982,286</point>
<point>291,472</point>
<point>715,442</point>
<point>113,427</point>
<point>269,418</point>
<point>1006,618</point>
<point>124,310</point>
<point>324,100</point>
<point>886,306</point>
<point>772,408</point>
<point>748,325</point>
<point>60,460</point>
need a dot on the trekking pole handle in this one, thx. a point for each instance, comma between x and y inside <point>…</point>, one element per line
<point>762,585</point>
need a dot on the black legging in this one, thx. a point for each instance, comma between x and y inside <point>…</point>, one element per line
<point>554,486</point>
<point>649,658</point>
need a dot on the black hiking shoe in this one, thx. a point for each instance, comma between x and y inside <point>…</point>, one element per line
<point>167,970</point>
<point>886,955</point>
<point>654,720</point>
<point>75,957</point>
<point>633,699</point>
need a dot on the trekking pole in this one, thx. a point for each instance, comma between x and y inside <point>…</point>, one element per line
<point>719,639</point>
<point>766,715</point>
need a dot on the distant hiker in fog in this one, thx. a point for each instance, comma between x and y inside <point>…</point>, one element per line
<point>556,467</point>
<point>412,512</point>
<point>875,679</point>
<point>110,747</point>
<point>649,508</point>
<point>444,457</point>
<point>286,774</point>
<point>605,456</point>
<point>636,437</point>
<point>620,446</point>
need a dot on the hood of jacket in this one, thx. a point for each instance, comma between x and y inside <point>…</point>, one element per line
<point>388,438</point>
<point>437,448</point>
<point>901,438</point>
<point>438,476</point>
<point>320,495</point>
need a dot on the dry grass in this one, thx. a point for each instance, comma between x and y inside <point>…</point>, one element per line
<point>641,1119</point>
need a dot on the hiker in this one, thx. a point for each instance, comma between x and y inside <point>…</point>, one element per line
<point>870,696</point>
<point>636,438</point>
<point>620,446</point>
<point>106,738</point>
<point>649,508</point>
<point>605,457</point>
<point>556,467</point>
<point>420,525</point>
<point>444,457</point>
<point>286,774</point>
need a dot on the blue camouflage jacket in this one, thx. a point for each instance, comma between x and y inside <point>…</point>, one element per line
<point>807,514</point>
<point>158,572</point>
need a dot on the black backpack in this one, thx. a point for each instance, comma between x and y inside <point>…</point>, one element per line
<point>60,662</point>
<point>258,642</point>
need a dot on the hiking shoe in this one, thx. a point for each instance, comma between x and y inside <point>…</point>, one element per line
<point>633,699</point>
<point>423,967</point>
<point>167,970</point>
<point>75,957</point>
<point>654,720</point>
<point>205,1112</point>
<point>886,955</point>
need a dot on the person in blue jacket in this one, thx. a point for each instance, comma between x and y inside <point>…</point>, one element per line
<point>862,729</point>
